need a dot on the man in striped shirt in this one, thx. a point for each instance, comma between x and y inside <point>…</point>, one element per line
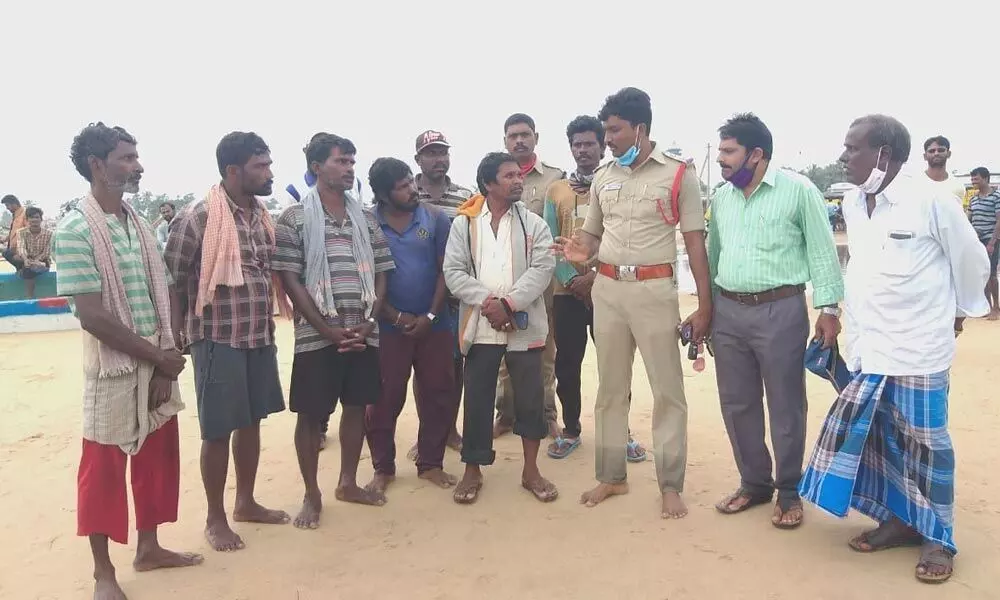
<point>435,187</point>
<point>770,235</point>
<point>336,347</point>
<point>984,210</point>
<point>107,158</point>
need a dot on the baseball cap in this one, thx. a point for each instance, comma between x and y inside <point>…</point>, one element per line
<point>431,138</point>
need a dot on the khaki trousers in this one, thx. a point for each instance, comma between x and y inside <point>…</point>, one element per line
<point>643,314</point>
<point>505,393</point>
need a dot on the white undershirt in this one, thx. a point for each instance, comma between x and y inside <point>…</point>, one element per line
<point>494,267</point>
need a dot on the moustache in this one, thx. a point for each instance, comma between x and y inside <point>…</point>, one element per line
<point>520,147</point>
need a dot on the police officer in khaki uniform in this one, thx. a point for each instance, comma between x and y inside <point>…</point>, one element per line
<point>520,139</point>
<point>632,227</point>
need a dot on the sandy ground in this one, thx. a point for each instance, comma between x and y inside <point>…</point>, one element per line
<point>422,545</point>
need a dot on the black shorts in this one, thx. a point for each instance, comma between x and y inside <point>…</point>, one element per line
<point>236,388</point>
<point>321,378</point>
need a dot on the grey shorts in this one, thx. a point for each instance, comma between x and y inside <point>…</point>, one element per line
<point>235,388</point>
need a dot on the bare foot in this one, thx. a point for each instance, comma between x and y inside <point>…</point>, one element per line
<point>602,492</point>
<point>413,455</point>
<point>308,517</point>
<point>379,484</point>
<point>222,538</point>
<point>161,558</point>
<point>439,478</point>
<point>356,495</point>
<point>500,428</point>
<point>455,441</point>
<point>107,588</point>
<point>994,315</point>
<point>255,513</point>
<point>673,506</point>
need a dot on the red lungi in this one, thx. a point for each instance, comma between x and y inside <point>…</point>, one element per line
<point>102,501</point>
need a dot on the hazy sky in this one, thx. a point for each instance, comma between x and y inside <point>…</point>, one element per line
<point>179,75</point>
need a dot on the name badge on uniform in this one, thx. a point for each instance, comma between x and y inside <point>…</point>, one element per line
<point>897,234</point>
<point>612,186</point>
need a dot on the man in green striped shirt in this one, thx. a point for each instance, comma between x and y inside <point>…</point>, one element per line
<point>770,235</point>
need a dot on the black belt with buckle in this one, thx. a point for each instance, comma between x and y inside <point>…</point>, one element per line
<point>758,298</point>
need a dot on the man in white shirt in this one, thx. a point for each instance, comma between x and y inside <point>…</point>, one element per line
<point>937,151</point>
<point>919,270</point>
<point>498,263</point>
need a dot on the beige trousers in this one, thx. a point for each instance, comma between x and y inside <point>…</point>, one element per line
<point>643,315</point>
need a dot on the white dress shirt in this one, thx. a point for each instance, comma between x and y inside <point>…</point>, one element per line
<point>495,268</point>
<point>915,265</point>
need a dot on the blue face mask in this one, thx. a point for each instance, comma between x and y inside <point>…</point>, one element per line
<point>626,160</point>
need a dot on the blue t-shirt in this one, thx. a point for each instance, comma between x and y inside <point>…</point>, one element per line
<point>417,252</point>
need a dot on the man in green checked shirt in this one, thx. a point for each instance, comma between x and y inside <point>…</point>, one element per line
<point>769,236</point>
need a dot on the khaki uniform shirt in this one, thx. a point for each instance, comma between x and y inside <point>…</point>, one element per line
<point>623,210</point>
<point>536,182</point>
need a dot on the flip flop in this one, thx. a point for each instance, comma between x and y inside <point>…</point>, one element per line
<point>785,505</point>
<point>463,489</point>
<point>935,555</point>
<point>632,452</point>
<point>546,492</point>
<point>562,447</point>
<point>752,500</point>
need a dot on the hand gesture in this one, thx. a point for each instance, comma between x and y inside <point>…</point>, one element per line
<point>161,387</point>
<point>420,327</point>
<point>572,249</point>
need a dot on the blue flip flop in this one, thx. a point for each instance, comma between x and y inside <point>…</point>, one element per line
<point>632,447</point>
<point>563,447</point>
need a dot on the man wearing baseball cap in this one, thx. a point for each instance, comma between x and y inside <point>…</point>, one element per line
<point>436,188</point>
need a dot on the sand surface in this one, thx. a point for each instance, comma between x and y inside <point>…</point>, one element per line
<point>422,545</point>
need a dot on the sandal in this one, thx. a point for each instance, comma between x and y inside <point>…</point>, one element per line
<point>786,505</point>
<point>542,489</point>
<point>934,555</point>
<point>562,447</point>
<point>888,535</point>
<point>634,452</point>
<point>466,492</point>
<point>751,499</point>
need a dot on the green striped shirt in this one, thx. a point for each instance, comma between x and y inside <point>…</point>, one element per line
<point>778,236</point>
<point>76,269</point>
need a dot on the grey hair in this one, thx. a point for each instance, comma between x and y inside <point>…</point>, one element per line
<point>887,131</point>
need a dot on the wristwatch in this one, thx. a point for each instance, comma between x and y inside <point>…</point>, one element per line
<point>833,311</point>
<point>431,316</point>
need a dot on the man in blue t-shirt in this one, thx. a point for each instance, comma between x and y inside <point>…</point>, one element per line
<point>414,329</point>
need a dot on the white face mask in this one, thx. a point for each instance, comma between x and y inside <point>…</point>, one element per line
<point>875,179</point>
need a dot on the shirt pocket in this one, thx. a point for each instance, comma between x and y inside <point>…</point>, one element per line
<point>898,256</point>
<point>770,232</point>
<point>652,204</point>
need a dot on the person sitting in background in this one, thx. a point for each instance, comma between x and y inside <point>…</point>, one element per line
<point>31,248</point>
<point>17,223</point>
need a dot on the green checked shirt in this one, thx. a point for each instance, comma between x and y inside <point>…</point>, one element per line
<point>778,236</point>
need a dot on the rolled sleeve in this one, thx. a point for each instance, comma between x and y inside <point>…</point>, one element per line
<point>692,213</point>
<point>821,251</point>
<point>288,250</point>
